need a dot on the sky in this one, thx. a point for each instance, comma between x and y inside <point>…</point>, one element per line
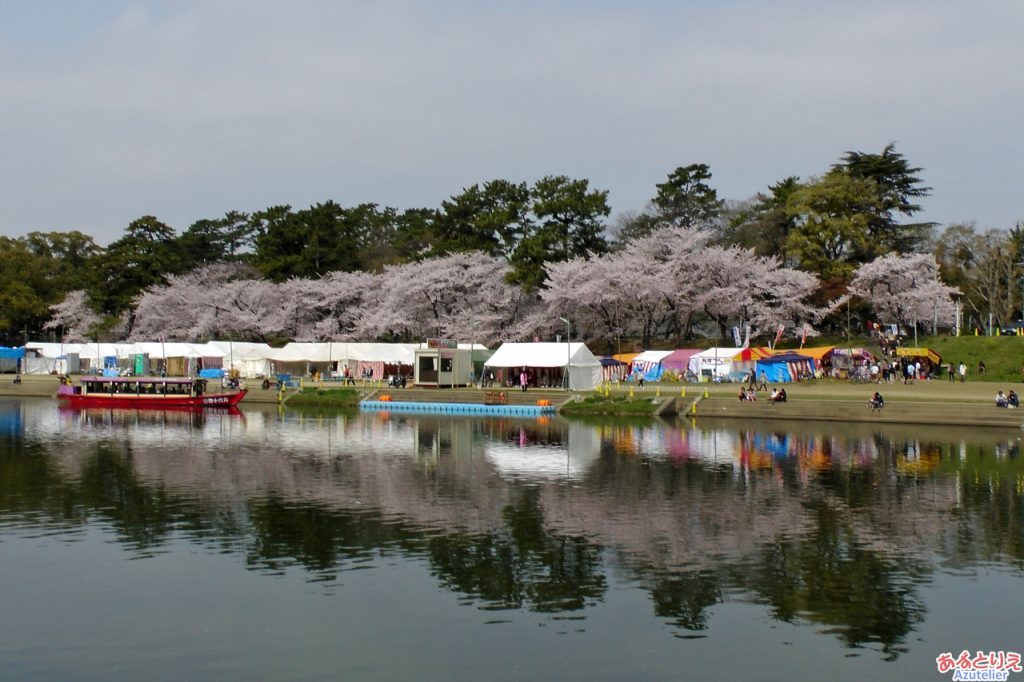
<point>115,109</point>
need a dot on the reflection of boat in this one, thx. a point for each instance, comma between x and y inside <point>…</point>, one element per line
<point>93,411</point>
<point>145,392</point>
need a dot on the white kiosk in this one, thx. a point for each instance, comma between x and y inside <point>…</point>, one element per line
<point>442,363</point>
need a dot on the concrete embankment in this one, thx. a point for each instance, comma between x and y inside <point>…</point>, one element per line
<point>930,402</point>
<point>894,412</point>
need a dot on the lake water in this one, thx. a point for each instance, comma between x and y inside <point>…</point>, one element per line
<point>298,546</point>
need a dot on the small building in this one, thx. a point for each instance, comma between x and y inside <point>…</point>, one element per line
<point>443,367</point>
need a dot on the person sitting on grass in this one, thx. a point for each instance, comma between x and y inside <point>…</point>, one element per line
<point>1001,400</point>
<point>781,396</point>
<point>1012,399</point>
<point>877,402</point>
<point>743,393</point>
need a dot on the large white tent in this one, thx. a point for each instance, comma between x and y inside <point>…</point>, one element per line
<point>584,367</point>
<point>249,359</point>
<point>302,358</point>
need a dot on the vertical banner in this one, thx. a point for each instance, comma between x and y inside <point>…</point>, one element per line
<point>736,336</point>
<point>778,333</point>
<point>803,337</point>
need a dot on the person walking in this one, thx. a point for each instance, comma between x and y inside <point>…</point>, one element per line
<point>963,372</point>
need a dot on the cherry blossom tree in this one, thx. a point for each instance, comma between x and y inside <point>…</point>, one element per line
<point>74,316</point>
<point>905,289</point>
<point>222,299</point>
<point>462,295</point>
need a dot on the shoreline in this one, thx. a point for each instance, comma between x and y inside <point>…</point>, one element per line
<point>932,402</point>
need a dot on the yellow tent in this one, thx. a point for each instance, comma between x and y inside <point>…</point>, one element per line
<point>816,352</point>
<point>626,358</point>
<point>934,357</point>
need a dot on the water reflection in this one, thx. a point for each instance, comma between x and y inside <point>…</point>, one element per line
<point>834,526</point>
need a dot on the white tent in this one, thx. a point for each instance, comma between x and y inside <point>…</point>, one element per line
<point>648,363</point>
<point>584,367</point>
<point>713,362</point>
<point>302,358</point>
<point>250,359</point>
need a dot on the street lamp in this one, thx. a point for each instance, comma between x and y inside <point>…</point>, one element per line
<point>568,349</point>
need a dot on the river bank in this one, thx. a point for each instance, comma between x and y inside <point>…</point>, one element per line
<point>922,402</point>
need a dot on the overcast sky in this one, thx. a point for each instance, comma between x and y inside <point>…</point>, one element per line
<point>114,109</point>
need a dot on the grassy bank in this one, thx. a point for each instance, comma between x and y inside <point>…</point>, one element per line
<point>325,397</point>
<point>617,404</point>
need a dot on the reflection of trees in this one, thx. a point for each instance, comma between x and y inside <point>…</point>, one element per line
<point>829,577</point>
<point>820,528</point>
<point>527,566</point>
<point>685,597</point>
<point>143,515</point>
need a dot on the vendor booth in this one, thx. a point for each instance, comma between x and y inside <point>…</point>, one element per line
<point>713,364</point>
<point>785,367</point>
<point>929,359</point>
<point>613,370</point>
<point>439,366</point>
<point>547,363</point>
<point>648,364</point>
<point>678,361</point>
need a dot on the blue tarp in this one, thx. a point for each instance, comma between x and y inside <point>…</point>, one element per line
<point>211,373</point>
<point>11,353</point>
<point>778,368</point>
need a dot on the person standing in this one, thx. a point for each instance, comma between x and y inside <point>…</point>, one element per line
<point>523,379</point>
<point>952,372</point>
<point>963,372</point>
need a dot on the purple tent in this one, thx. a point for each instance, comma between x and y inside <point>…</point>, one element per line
<point>679,360</point>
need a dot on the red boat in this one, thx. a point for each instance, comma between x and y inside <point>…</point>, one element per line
<point>144,392</point>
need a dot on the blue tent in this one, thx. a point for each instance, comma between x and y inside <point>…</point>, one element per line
<point>11,359</point>
<point>785,367</point>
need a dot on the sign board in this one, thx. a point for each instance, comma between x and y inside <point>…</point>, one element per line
<point>441,343</point>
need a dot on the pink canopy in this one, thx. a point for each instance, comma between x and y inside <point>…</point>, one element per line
<point>679,360</point>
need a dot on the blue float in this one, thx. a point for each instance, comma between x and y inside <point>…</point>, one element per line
<point>459,408</point>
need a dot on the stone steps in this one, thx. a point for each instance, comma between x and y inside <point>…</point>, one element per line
<point>895,412</point>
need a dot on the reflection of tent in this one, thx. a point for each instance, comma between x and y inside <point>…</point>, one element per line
<point>584,367</point>
<point>715,362</point>
<point>785,366</point>
<point>679,360</point>
<point>538,461</point>
<point>649,365</point>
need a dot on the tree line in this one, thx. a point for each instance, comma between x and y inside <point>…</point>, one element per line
<point>859,210</point>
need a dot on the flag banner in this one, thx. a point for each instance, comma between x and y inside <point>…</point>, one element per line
<point>736,336</point>
<point>778,334</point>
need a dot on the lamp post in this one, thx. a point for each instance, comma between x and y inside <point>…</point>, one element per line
<point>568,349</point>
